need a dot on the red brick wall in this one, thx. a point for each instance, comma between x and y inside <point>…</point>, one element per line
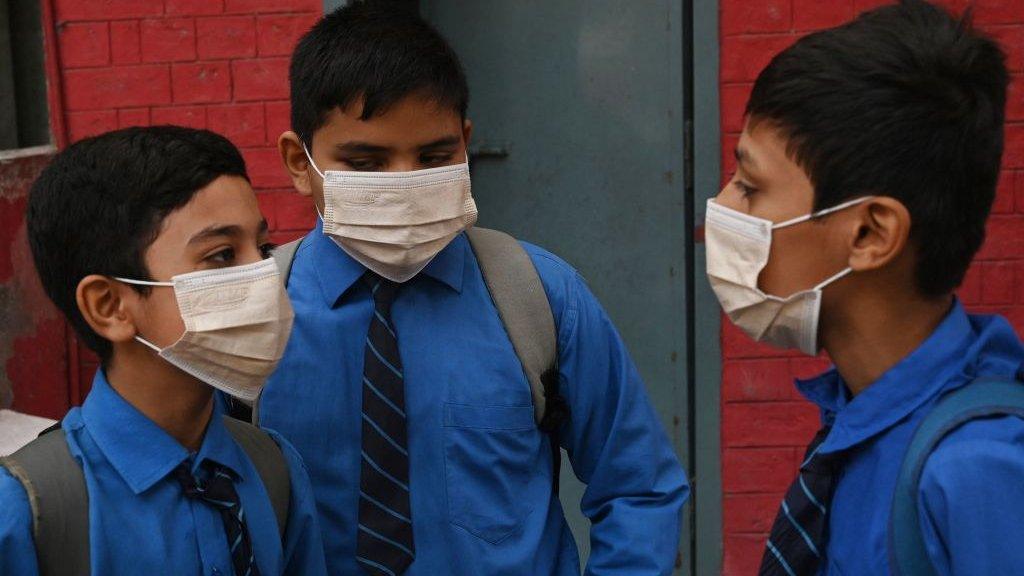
<point>765,424</point>
<point>216,64</point>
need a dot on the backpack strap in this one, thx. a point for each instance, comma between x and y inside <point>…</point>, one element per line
<point>523,306</point>
<point>983,397</point>
<point>57,494</point>
<point>270,464</point>
<point>284,257</point>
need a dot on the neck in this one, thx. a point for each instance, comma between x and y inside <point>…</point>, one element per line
<point>178,403</point>
<point>875,331</point>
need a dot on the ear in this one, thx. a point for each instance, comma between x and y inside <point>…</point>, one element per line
<point>467,132</point>
<point>295,161</point>
<point>881,233</point>
<point>101,302</point>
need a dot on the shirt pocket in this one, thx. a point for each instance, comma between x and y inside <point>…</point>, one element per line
<point>491,454</point>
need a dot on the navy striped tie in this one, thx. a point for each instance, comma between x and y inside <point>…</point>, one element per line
<point>796,546</point>
<point>385,540</point>
<point>219,491</point>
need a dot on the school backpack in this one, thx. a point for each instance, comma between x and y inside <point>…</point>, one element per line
<point>59,499</point>
<point>981,398</point>
<point>518,295</point>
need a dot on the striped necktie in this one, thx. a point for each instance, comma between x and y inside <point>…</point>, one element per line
<point>385,536</point>
<point>796,546</point>
<point>219,491</point>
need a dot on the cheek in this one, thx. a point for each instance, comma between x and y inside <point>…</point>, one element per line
<point>798,260</point>
<point>160,321</point>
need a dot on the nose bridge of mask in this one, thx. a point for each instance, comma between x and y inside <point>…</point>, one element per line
<point>738,244</point>
<point>399,199</point>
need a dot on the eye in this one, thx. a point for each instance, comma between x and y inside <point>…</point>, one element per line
<point>746,189</point>
<point>267,249</point>
<point>436,159</point>
<point>363,164</point>
<point>225,256</point>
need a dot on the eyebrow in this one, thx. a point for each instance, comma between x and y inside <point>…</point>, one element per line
<point>217,230</point>
<point>368,148</point>
<point>361,148</point>
<point>441,143</point>
<point>743,157</point>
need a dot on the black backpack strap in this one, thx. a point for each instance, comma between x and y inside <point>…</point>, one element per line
<point>57,494</point>
<point>908,555</point>
<point>518,294</point>
<point>270,463</point>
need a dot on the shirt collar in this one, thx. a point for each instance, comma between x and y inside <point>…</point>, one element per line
<point>337,271</point>
<point>140,451</point>
<point>927,371</point>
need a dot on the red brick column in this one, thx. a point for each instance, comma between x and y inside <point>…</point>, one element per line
<point>765,424</point>
<point>216,64</point>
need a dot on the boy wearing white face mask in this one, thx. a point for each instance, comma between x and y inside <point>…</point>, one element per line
<point>151,243</point>
<point>865,174</point>
<point>427,425</point>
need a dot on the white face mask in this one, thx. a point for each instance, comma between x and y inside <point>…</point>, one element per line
<point>237,323</point>
<point>395,223</point>
<point>738,246</point>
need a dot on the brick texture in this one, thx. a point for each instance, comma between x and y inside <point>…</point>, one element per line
<point>765,424</point>
<point>216,64</point>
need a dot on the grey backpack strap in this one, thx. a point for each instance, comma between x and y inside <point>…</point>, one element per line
<point>523,306</point>
<point>284,255</point>
<point>56,490</point>
<point>270,463</point>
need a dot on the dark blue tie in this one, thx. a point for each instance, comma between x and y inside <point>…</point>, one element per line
<point>385,540</point>
<point>796,546</point>
<point>219,491</point>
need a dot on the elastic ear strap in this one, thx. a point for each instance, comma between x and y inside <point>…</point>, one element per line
<point>142,340</point>
<point>311,163</point>
<point>821,213</point>
<point>143,282</point>
<point>835,278</point>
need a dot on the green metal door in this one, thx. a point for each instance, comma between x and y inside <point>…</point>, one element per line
<point>578,146</point>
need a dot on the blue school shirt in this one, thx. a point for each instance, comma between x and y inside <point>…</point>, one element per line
<point>971,496</point>
<point>140,521</point>
<point>480,469</point>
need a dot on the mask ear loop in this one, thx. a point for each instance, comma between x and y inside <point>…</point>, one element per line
<point>311,163</point>
<point>820,213</point>
<point>835,278</point>
<point>138,338</point>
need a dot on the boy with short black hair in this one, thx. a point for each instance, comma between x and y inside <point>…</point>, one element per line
<point>431,434</point>
<point>866,172</point>
<point>151,243</point>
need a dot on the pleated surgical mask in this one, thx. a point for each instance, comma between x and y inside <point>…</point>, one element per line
<point>237,323</point>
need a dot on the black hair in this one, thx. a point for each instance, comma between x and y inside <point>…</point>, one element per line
<point>907,102</point>
<point>101,202</point>
<point>380,51</point>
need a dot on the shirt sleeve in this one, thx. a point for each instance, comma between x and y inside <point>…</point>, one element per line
<point>17,550</point>
<point>303,545</point>
<point>636,487</point>
<point>971,499</point>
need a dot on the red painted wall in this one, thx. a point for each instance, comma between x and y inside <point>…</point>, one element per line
<point>216,64</point>
<point>222,65</point>
<point>765,424</point>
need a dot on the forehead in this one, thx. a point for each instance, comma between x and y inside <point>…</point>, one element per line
<point>763,150</point>
<point>227,201</point>
<point>409,122</point>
